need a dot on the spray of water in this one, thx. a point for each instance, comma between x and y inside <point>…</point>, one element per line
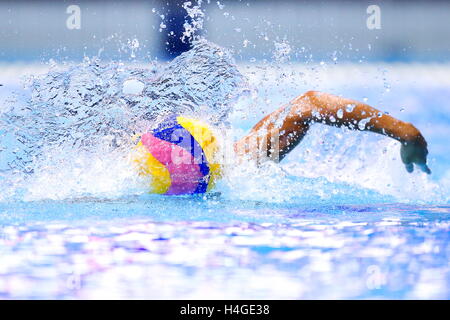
<point>70,134</point>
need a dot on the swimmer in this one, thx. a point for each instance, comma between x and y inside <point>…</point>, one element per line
<point>179,155</point>
<point>280,132</point>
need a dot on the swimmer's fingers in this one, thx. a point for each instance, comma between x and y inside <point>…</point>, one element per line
<point>420,160</point>
<point>414,153</point>
<point>424,168</point>
<point>409,167</point>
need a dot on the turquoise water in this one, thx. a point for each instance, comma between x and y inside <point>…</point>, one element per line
<point>192,248</point>
<point>339,218</point>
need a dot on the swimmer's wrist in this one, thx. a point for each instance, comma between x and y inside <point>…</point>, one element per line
<point>411,135</point>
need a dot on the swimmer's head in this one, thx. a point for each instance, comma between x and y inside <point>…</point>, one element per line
<point>178,157</point>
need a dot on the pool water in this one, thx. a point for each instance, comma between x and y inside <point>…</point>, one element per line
<point>339,218</point>
<point>209,249</point>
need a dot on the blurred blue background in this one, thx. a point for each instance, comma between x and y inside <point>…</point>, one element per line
<point>410,30</point>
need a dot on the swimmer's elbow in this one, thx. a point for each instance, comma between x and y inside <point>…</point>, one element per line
<point>311,93</point>
<point>308,96</point>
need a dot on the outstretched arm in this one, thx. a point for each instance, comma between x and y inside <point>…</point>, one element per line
<point>279,132</point>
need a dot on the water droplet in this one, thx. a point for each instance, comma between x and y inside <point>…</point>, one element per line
<point>350,107</point>
<point>362,123</point>
<point>133,86</point>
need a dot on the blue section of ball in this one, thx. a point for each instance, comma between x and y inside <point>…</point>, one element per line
<point>171,131</point>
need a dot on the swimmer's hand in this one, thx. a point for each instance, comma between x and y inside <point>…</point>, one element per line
<point>415,152</point>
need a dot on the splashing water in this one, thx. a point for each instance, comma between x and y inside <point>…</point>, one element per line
<point>79,123</point>
<point>197,16</point>
<point>72,131</point>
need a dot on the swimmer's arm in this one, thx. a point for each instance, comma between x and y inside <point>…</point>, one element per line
<point>290,123</point>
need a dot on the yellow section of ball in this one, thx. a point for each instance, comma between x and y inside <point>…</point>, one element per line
<point>148,166</point>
